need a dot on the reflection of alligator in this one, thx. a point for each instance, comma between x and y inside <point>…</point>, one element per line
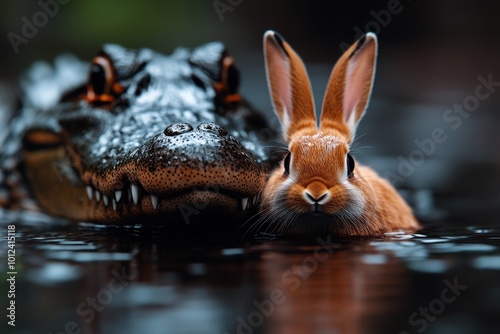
<point>146,135</point>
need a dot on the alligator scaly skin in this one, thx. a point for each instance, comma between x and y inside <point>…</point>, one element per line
<point>158,135</point>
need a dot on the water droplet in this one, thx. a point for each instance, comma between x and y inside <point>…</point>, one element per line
<point>487,262</point>
<point>374,259</point>
<point>432,266</point>
<point>54,273</point>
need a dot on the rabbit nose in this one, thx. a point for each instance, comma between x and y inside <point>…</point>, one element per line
<point>316,192</point>
<point>315,199</point>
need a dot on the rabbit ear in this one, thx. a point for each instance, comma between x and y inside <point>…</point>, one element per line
<point>289,86</point>
<point>349,87</point>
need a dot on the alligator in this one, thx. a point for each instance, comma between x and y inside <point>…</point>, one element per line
<point>136,136</point>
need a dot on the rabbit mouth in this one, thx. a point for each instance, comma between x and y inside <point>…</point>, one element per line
<point>317,214</point>
<point>317,218</point>
<point>317,222</point>
<point>313,223</point>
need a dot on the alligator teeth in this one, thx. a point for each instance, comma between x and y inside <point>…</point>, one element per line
<point>244,202</point>
<point>113,203</point>
<point>89,191</point>
<point>105,199</point>
<point>118,195</point>
<point>154,201</point>
<point>135,193</point>
<point>97,196</point>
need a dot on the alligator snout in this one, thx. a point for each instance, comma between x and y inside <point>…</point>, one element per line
<point>184,164</point>
<point>183,157</point>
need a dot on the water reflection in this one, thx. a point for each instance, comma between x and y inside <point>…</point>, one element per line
<point>106,280</point>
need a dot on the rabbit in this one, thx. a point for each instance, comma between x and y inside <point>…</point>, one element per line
<point>319,187</point>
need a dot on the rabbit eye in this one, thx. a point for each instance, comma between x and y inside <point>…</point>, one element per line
<point>286,163</point>
<point>350,165</point>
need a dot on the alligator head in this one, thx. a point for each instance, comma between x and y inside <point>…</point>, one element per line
<point>145,137</point>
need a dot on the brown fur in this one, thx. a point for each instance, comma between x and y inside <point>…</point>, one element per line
<point>318,194</point>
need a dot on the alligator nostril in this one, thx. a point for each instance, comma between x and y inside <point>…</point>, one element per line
<point>177,129</point>
<point>212,127</point>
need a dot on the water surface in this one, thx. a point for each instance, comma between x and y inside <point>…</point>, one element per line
<point>97,279</point>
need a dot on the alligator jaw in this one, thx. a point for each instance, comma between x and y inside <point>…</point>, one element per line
<point>61,191</point>
<point>135,201</point>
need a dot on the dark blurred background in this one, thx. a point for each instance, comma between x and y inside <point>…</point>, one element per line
<point>431,54</point>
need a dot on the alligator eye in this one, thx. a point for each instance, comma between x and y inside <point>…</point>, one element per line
<point>101,86</point>
<point>230,76</point>
<point>227,88</point>
<point>98,80</point>
<point>286,163</point>
<point>232,79</point>
<point>350,165</point>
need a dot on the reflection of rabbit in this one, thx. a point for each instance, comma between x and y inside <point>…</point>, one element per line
<point>317,188</point>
